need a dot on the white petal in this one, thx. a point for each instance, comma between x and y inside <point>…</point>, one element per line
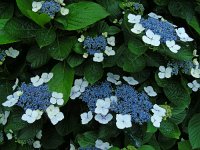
<point>146,39</point>
<point>60,101</point>
<point>53,100</point>
<point>64,11</point>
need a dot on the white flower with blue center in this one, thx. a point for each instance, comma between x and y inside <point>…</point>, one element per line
<point>164,72</point>
<point>4,117</point>
<point>137,28</point>
<point>111,41</point>
<point>123,121</point>
<point>130,80</point>
<point>54,114</point>
<point>173,46</point>
<point>183,35</point>
<point>134,18</point>
<point>12,52</point>
<point>98,57</point>
<point>86,117</point>
<point>37,81</point>
<point>46,77</point>
<point>102,145</point>
<point>36,6</point>
<point>12,99</point>
<point>151,38</point>
<point>102,106</point>
<point>16,84</point>
<point>194,85</point>
<point>31,116</point>
<point>36,144</point>
<point>113,78</point>
<point>57,98</point>
<point>103,119</point>
<point>64,11</point>
<point>109,51</point>
<point>150,91</point>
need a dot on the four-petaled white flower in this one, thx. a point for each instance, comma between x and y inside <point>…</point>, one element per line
<point>195,72</point>
<point>98,57</point>
<point>150,91</point>
<point>31,116</point>
<point>36,144</point>
<point>102,106</point>
<point>173,46</point>
<point>4,117</point>
<point>74,93</point>
<point>156,120</point>
<point>64,11</point>
<point>36,6</point>
<point>111,41</point>
<point>16,84</point>
<point>151,38</point>
<point>113,78</point>
<point>57,98</point>
<point>46,77</point>
<point>86,117</point>
<point>153,15</point>
<point>37,81</point>
<point>134,18</point>
<point>158,114</point>
<point>137,28</point>
<point>12,99</point>
<point>130,80</point>
<point>194,85</point>
<point>103,119</point>
<point>39,134</point>
<point>165,72</point>
<point>12,52</point>
<point>109,51</point>
<point>102,145</point>
<point>123,121</point>
<point>54,114</point>
<point>183,35</point>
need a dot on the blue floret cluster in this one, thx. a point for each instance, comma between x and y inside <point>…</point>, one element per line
<point>95,44</point>
<point>159,27</point>
<point>34,98</point>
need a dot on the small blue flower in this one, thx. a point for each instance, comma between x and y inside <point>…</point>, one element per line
<point>50,8</point>
<point>34,97</point>
<point>138,6</point>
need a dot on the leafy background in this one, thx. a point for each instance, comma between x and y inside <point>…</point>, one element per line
<point>51,45</point>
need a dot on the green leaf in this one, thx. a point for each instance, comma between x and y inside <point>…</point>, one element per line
<point>37,57</point>
<point>5,38</point>
<point>6,10</point>
<point>62,81</point>
<point>194,23</point>
<point>170,129</point>
<point>87,139</point>
<point>178,118</point>
<point>194,131</point>
<point>146,147</point>
<point>60,49</point>
<point>161,2</point>
<point>75,60</point>
<point>184,145</point>
<point>136,47</point>
<point>93,72</point>
<point>151,128</point>
<point>26,8</point>
<point>45,37</point>
<point>81,15</point>
<point>5,90</point>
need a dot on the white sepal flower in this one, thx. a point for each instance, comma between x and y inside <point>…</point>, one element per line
<point>39,135</point>
<point>12,99</point>
<point>102,106</point>
<point>80,84</point>
<point>159,111</point>
<point>85,55</point>
<point>102,145</point>
<point>134,18</point>
<point>165,72</point>
<point>72,147</point>
<point>12,52</point>
<point>4,117</point>
<point>37,81</point>
<point>81,39</point>
<point>156,120</point>
<point>113,78</point>
<point>103,119</point>
<point>194,85</point>
<point>46,77</point>
<point>57,98</point>
<point>153,15</point>
<point>61,2</point>
<point>109,51</point>
<point>36,144</point>
<point>195,72</point>
<point>36,6</point>
<point>183,35</point>
<point>111,41</point>
<point>74,93</point>
<point>9,136</point>
<point>16,84</point>
<point>98,57</point>
<point>54,114</point>
<point>137,28</point>
<point>30,116</point>
<point>151,38</point>
<point>105,34</point>
<point>130,80</point>
<point>173,46</point>
<point>150,91</point>
<point>123,121</point>
<point>86,117</point>
<point>64,11</point>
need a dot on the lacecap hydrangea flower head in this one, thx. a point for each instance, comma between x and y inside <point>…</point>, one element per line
<point>35,99</point>
<point>98,47</point>
<point>50,7</point>
<point>114,97</point>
